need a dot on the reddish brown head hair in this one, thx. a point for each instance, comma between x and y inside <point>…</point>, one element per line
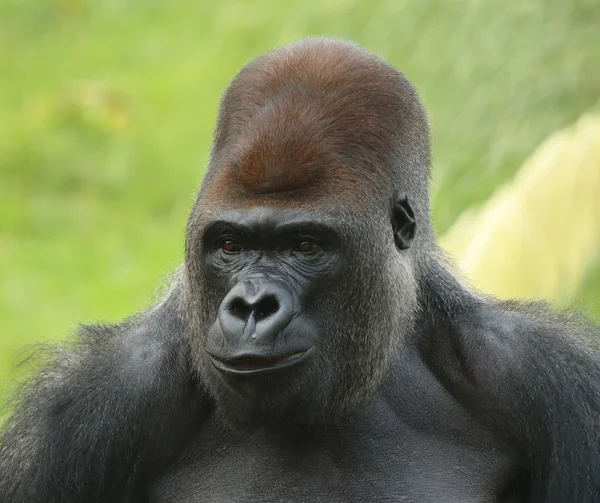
<point>314,120</point>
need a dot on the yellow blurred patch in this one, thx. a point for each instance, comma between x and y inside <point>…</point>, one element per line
<point>537,236</point>
<point>95,104</point>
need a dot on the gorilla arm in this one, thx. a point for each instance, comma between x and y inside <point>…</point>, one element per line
<point>105,416</point>
<point>533,377</point>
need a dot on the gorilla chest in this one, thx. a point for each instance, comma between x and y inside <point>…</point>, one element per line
<point>387,465</point>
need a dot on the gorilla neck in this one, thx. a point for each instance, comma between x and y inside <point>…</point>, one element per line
<point>442,296</point>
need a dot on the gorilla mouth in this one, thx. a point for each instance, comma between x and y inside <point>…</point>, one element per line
<point>251,365</point>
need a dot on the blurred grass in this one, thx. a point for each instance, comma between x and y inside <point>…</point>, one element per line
<point>538,236</point>
<point>107,108</point>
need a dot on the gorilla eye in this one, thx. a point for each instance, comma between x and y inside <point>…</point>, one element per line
<point>307,247</point>
<point>231,246</point>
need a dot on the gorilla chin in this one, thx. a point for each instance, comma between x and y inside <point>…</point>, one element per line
<point>269,393</point>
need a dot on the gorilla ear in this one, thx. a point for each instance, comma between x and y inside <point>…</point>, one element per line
<point>403,222</point>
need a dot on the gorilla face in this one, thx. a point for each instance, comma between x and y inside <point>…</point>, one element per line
<point>271,265</point>
<point>298,317</point>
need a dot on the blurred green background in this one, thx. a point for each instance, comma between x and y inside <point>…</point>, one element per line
<point>107,110</point>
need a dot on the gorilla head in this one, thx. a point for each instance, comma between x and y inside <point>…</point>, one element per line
<point>303,250</point>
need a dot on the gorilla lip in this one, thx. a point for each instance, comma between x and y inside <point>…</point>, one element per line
<point>251,365</point>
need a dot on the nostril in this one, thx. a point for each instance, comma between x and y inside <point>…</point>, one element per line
<point>240,308</point>
<point>266,307</point>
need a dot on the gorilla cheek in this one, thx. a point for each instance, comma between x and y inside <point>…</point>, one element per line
<point>215,340</point>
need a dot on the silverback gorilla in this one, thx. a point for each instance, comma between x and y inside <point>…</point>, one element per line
<point>314,347</point>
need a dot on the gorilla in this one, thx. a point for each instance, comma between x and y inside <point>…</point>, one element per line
<point>315,345</point>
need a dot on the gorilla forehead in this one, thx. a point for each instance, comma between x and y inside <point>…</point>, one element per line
<point>266,219</point>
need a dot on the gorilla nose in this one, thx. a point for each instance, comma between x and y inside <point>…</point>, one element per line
<point>255,311</point>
